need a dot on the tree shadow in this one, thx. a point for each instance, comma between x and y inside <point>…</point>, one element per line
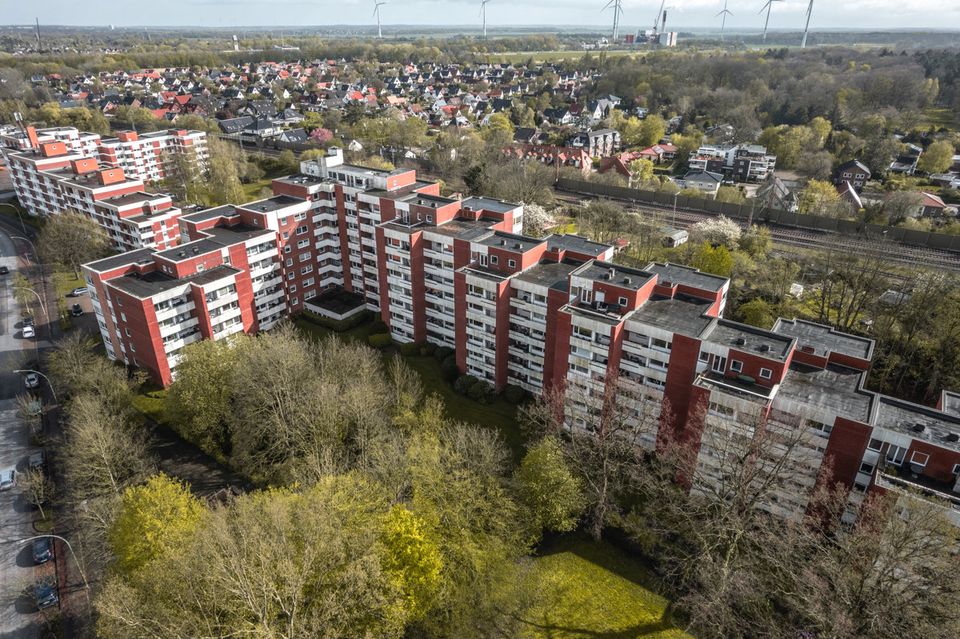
<point>551,630</point>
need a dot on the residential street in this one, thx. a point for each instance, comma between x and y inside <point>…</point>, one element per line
<point>18,616</point>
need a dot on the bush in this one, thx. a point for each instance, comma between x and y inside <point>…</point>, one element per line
<point>449,370</point>
<point>427,349</point>
<point>379,327</point>
<point>443,352</point>
<point>514,394</point>
<point>379,340</point>
<point>464,383</point>
<point>481,392</point>
<point>410,349</point>
<point>339,326</point>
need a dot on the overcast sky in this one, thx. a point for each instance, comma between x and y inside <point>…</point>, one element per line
<point>827,14</point>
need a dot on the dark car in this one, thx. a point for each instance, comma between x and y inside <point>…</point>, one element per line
<point>4,270</point>
<point>42,550</point>
<point>27,321</point>
<point>45,592</point>
<point>76,310</point>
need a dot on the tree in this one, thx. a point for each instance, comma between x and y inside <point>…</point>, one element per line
<point>525,181</point>
<point>499,130</point>
<point>536,220</point>
<point>652,129</point>
<point>900,205</point>
<point>183,177</point>
<point>550,491</point>
<point>288,161</point>
<point>72,239</point>
<point>223,186</point>
<point>757,313</point>
<point>412,560</point>
<point>756,241</point>
<point>719,231</point>
<point>37,488</point>
<point>819,197</point>
<point>199,400</point>
<point>321,135</point>
<point>731,195</point>
<point>713,259</point>
<point>641,172</point>
<point>603,220</point>
<point>938,158</point>
<point>153,521</point>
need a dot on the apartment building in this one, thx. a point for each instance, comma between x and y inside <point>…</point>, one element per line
<point>51,179</point>
<point>539,313</point>
<point>142,156</point>
<point>741,162</point>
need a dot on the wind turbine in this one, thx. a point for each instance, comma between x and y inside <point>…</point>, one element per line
<point>483,14</point>
<point>617,6</point>
<point>723,23</point>
<point>767,6</point>
<point>806,29</point>
<point>376,12</point>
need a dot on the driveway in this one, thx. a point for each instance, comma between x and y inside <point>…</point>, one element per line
<point>18,616</point>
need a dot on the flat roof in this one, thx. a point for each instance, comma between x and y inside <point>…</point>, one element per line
<point>190,249</point>
<point>155,282</point>
<point>476,203</point>
<point>755,340</point>
<point>138,256</point>
<point>227,210</point>
<point>576,243</point>
<point>950,402</point>
<point>271,204</point>
<point>678,274</point>
<point>920,422</point>
<point>835,387</point>
<point>510,241</point>
<point>615,274</point>
<point>676,315</point>
<point>550,274</point>
<point>228,235</point>
<point>463,229</point>
<point>731,385</point>
<point>428,201</point>
<point>132,198</point>
<point>825,339</point>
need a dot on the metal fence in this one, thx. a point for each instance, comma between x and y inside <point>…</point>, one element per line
<point>767,215</point>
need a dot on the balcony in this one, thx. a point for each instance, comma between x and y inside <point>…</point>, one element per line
<point>921,487</point>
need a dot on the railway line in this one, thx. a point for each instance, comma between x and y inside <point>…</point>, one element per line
<point>800,237</point>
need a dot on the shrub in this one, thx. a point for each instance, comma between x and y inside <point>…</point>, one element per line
<point>379,340</point>
<point>464,383</point>
<point>514,394</point>
<point>409,349</point>
<point>339,326</point>
<point>379,327</point>
<point>481,392</point>
<point>443,352</point>
<point>427,349</point>
<point>449,369</point>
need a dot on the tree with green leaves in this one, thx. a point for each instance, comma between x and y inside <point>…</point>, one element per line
<point>154,520</point>
<point>548,489</point>
<point>713,259</point>
<point>652,129</point>
<point>223,185</point>
<point>937,158</point>
<point>72,239</point>
<point>412,560</point>
<point>820,197</point>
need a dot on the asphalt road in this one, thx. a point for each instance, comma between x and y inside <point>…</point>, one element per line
<point>18,616</point>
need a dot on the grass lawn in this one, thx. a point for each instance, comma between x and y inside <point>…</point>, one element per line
<point>150,402</point>
<point>556,56</point>
<point>66,281</point>
<point>595,590</point>
<point>941,118</point>
<point>500,415</point>
<point>253,190</point>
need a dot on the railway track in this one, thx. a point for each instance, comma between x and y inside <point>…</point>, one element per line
<point>801,238</point>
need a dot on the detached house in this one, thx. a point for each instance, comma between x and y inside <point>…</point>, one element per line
<point>855,172</point>
<point>599,143</point>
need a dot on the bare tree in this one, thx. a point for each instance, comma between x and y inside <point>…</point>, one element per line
<point>37,488</point>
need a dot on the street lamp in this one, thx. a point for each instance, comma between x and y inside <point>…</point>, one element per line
<point>86,585</point>
<point>49,383</point>
<point>23,227</point>
<point>39,299</point>
<point>32,246</point>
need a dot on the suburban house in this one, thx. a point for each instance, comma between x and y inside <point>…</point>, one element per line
<point>855,172</point>
<point>659,153</point>
<point>599,143</point>
<point>742,162</point>
<point>705,181</point>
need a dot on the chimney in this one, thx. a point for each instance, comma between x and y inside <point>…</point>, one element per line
<point>32,136</point>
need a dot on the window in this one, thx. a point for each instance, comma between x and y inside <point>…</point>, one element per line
<point>704,356</point>
<point>823,430</point>
<point>293,288</point>
<point>895,454</point>
<point>289,261</point>
<point>866,468</point>
<point>661,344</point>
<point>766,373</point>
<point>956,469</point>
<point>304,257</point>
<point>919,459</point>
<point>494,259</point>
<point>306,269</point>
<point>302,244</point>
<point>291,275</point>
<point>287,249</point>
<point>302,229</point>
<point>622,301</point>
<point>299,217</point>
<point>736,366</point>
<point>429,218</point>
<point>512,263</point>
<point>875,444</point>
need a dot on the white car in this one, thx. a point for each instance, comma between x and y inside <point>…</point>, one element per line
<point>32,380</point>
<point>8,478</point>
<point>28,332</point>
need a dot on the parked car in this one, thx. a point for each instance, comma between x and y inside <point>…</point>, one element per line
<point>4,270</point>
<point>28,332</point>
<point>27,321</point>
<point>8,478</point>
<point>42,550</point>
<point>36,460</point>
<point>45,592</point>
<point>76,310</point>
<point>32,380</point>
<point>77,292</point>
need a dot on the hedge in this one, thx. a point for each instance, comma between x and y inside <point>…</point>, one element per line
<point>410,349</point>
<point>443,352</point>
<point>514,394</point>
<point>449,370</point>
<point>482,392</point>
<point>379,327</point>
<point>464,383</point>
<point>339,326</point>
<point>379,340</point>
